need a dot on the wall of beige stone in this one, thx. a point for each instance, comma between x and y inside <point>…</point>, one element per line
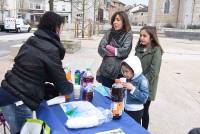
<point>139,19</point>
<point>196,15</point>
<point>181,13</point>
<point>171,18</point>
<point>185,13</point>
<point>150,6</point>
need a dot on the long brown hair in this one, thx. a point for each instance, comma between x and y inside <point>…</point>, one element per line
<point>125,20</point>
<point>153,35</point>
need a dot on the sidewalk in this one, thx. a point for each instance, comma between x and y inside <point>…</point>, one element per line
<point>177,106</point>
<point>14,37</point>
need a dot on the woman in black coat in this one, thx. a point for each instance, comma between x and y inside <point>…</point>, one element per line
<point>37,63</point>
<point>114,47</point>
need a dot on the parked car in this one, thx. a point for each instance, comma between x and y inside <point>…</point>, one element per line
<point>16,24</point>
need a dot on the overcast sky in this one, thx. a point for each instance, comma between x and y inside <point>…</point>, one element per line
<point>131,2</point>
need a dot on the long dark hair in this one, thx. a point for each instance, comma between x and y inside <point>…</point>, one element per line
<point>50,21</point>
<point>125,20</point>
<point>153,36</point>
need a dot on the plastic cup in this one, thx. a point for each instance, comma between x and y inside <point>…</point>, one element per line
<point>123,79</point>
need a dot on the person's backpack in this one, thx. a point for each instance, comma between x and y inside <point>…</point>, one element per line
<point>35,126</point>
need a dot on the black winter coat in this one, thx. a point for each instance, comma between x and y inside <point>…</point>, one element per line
<point>38,62</point>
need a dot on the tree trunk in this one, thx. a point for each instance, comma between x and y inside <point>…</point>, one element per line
<point>2,10</point>
<point>94,25</point>
<point>51,5</point>
<point>83,21</point>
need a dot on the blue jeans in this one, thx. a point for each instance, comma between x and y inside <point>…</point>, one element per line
<point>14,115</point>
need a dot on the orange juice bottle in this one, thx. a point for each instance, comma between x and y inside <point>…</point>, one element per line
<point>68,73</point>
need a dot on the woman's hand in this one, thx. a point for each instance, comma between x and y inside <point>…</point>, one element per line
<point>110,48</point>
<point>109,54</point>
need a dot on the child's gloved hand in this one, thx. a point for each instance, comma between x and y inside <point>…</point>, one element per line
<point>111,49</point>
<point>129,86</point>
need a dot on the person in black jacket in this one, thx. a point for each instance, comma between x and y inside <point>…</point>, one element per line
<point>114,47</point>
<point>37,62</point>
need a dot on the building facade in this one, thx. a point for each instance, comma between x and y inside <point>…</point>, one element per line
<point>139,17</point>
<point>114,6</point>
<point>8,8</point>
<point>174,13</point>
<point>31,10</point>
<point>64,8</point>
<point>103,11</point>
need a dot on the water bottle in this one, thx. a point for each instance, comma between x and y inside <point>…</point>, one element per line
<point>77,77</point>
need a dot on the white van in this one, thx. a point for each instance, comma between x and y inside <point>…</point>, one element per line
<point>18,25</point>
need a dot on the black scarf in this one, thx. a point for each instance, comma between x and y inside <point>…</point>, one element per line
<point>117,35</point>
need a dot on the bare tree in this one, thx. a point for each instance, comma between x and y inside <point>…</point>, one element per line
<point>83,6</point>
<point>51,5</point>
<point>96,7</point>
<point>83,12</point>
<point>2,4</point>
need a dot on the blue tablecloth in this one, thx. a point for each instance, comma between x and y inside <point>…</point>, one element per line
<point>55,118</point>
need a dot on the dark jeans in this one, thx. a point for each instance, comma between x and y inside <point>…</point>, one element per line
<point>145,117</point>
<point>136,115</point>
<point>14,115</point>
<point>6,98</point>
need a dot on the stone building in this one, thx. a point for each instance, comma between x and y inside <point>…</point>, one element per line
<point>139,15</point>
<point>174,13</point>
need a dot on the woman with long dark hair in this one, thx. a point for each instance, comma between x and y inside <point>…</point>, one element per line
<point>150,52</point>
<point>114,47</point>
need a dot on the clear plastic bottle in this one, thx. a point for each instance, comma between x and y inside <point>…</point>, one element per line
<point>87,85</point>
<point>88,77</point>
